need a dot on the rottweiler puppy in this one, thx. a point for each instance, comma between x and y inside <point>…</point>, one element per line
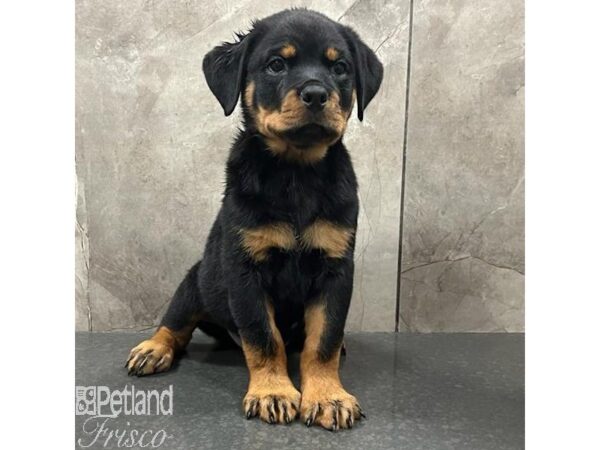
<point>278,264</point>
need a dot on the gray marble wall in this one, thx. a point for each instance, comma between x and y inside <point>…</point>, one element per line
<point>152,142</point>
<point>463,230</point>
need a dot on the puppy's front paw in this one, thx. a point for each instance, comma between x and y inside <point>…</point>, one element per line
<point>149,357</point>
<point>329,406</point>
<point>274,399</point>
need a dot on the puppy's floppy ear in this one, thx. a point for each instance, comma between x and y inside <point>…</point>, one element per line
<point>368,70</point>
<point>224,69</point>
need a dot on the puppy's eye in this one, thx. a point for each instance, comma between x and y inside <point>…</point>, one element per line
<point>276,65</point>
<point>340,68</point>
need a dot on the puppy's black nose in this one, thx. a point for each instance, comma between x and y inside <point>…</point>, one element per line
<point>314,96</point>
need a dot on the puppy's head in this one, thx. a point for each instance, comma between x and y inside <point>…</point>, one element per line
<point>299,74</point>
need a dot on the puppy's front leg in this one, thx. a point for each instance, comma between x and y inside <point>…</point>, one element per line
<point>271,394</point>
<point>324,400</point>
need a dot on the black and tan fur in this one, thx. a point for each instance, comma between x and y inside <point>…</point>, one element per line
<point>278,264</point>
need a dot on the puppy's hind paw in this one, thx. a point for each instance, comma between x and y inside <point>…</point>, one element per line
<point>149,357</point>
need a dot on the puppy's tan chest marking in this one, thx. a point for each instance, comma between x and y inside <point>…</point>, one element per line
<point>327,236</point>
<point>331,238</point>
<point>258,241</point>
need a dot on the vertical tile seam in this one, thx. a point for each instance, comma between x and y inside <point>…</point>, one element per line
<point>403,171</point>
<point>84,231</point>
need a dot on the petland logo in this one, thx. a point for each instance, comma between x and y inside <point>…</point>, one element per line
<point>103,406</point>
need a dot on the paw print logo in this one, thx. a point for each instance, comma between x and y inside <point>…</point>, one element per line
<point>85,400</point>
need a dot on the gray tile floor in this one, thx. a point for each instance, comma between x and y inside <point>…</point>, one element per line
<point>435,391</point>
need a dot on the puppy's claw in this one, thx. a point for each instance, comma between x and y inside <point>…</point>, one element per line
<point>142,365</point>
<point>335,420</point>
<point>286,416</point>
<point>349,422</point>
<point>312,415</point>
<point>132,355</point>
<point>272,411</point>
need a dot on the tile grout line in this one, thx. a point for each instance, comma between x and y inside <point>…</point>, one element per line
<point>403,173</point>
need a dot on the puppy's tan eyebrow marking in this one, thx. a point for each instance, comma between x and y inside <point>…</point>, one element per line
<point>288,51</point>
<point>332,54</point>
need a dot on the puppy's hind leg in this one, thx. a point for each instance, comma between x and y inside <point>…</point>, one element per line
<point>174,332</point>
